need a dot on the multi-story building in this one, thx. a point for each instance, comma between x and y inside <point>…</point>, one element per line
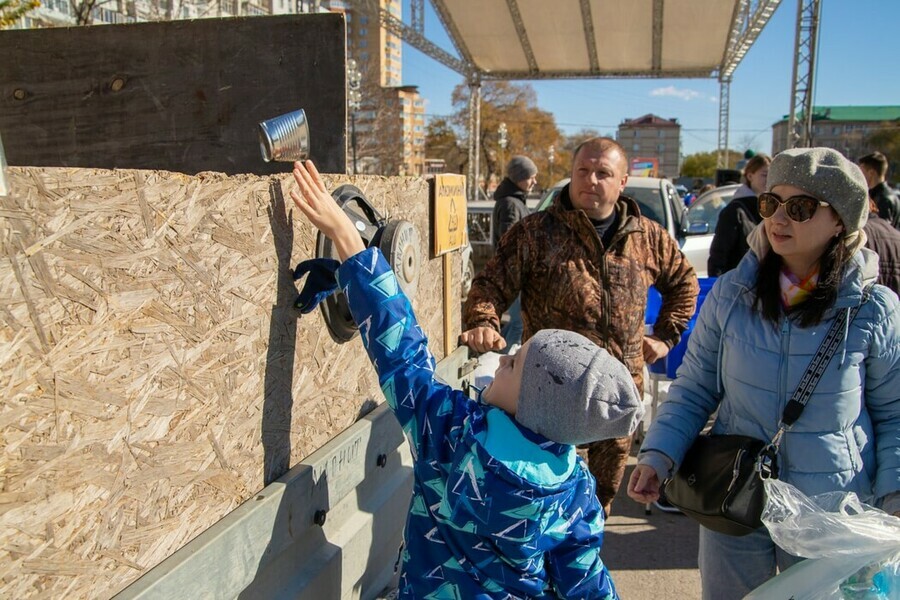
<point>413,115</point>
<point>846,129</point>
<point>653,137</point>
<point>382,147</point>
<point>62,13</point>
<point>373,46</point>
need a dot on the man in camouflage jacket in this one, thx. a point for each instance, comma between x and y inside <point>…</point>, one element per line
<point>585,265</point>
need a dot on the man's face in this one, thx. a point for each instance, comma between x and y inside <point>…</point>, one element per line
<point>598,177</point>
<point>526,184</point>
<point>871,176</point>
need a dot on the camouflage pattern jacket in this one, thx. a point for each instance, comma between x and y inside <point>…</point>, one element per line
<point>568,280</point>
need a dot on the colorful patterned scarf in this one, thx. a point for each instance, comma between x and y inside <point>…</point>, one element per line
<point>795,290</point>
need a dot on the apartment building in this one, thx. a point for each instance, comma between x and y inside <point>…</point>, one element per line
<point>653,137</point>
<point>62,13</point>
<point>846,129</point>
<point>381,146</point>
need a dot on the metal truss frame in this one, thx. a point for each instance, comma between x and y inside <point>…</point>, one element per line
<point>750,16</point>
<point>799,129</point>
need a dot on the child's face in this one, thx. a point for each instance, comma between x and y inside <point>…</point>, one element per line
<point>503,392</point>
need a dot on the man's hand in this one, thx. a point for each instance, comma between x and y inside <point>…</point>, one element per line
<point>643,485</point>
<point>482,339</point>
<point>316,203</point>
<point>654,349</point>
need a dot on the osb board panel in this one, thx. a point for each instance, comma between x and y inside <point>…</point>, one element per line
<point>179,95</point>
<point>153,372</point>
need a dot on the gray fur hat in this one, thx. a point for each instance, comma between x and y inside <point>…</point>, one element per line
<point>574,392</point>
<point>827,175</point>
<point>520,168</point>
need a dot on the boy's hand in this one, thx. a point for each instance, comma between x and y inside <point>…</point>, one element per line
<point>482,339</point>
<point>316,203</point>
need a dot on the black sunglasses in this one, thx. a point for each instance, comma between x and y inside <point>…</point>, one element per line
<point>800,208</point>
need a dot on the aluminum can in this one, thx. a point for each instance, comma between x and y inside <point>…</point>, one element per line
<point>285,138</point>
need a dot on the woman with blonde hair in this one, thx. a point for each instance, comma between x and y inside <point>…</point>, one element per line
<point>738,219</point>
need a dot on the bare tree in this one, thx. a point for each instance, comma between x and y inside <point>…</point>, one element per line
<point>378,125</point>
<point>530,130</point>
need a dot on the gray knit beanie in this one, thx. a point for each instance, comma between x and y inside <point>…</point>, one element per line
<point>574,392</point>
<point>827,175</point>
<point>520,168</point>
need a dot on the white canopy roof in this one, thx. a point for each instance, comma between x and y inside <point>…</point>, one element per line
<point>546,39</point>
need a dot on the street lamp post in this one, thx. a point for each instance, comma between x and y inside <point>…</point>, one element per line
<point>551,156</point>
<point>503,142</point>
<point>354,98</point>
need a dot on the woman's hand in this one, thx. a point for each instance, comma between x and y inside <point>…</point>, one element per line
<point>643,485</point>
<point>316,203</point>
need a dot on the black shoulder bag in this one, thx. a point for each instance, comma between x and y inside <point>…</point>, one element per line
<point>720,481</point>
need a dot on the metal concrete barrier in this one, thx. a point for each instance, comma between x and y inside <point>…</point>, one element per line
<point>329,528</point>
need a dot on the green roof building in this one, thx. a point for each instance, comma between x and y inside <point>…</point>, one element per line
<point>844,128</point>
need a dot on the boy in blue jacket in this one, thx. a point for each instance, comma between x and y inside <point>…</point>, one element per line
<point>502,506</point>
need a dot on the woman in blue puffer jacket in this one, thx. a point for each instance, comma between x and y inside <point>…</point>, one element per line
<point>755,336</point>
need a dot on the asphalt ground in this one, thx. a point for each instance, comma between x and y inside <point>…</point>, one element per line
<point>650,556</point>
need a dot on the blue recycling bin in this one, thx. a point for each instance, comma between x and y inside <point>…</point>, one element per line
<point>668,365</point>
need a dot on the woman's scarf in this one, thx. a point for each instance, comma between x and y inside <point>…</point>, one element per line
<point>795,290</point>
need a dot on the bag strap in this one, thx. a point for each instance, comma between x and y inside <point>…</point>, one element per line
<point>817,365</point>
<point>800,398</point>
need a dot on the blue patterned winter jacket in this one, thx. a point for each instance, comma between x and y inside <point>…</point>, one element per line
<point>497,510</point>
<point>848,437</point>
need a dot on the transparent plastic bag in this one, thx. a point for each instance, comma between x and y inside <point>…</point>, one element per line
<point>853,548</point>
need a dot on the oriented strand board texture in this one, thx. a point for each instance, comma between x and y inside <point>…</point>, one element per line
<point>153,372</point>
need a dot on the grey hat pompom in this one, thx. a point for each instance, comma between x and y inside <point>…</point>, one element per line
<point>520,168</point>
<point>827,175</point>
<point>574,392</point>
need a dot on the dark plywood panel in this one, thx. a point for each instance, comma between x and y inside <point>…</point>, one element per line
<point>180,96</point>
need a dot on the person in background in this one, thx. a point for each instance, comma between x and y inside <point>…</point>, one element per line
<point>875,167</point>
<point>738,219</point>
<point>510,207</point>
<point>502,506</point>
<point>884,241</point>
<point>758,330</point>
<point>585,265</point>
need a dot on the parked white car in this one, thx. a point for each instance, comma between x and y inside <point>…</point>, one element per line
<point>699,225</point>
<point>656,198</point>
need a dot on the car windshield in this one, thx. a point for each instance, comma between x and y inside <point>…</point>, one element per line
<point>479,227</point>
<point>650,201</point>
<point>707,207</point>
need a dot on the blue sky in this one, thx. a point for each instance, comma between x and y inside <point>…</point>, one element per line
<point>859,42</point>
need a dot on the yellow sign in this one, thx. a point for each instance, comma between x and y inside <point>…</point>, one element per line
<point>449,214</point>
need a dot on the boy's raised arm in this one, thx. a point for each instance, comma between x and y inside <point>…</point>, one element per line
<point>316,203</point>
<point>396,344</point>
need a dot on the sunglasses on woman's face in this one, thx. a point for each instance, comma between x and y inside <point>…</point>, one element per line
<point>800,208</point>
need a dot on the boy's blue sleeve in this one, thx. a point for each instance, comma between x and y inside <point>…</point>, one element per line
<point>398,349</point>
<point>574,565</point>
